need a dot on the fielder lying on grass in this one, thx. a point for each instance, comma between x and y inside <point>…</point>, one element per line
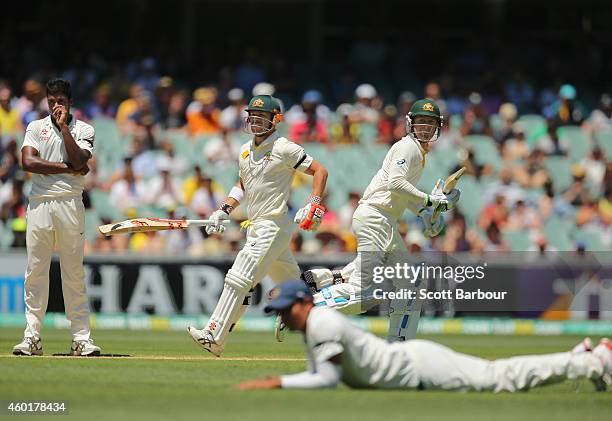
<point>338,352</point>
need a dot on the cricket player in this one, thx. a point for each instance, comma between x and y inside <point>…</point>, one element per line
<point>339,351</point>
<point>267,165</point>
<point>375,223</point>
<point>56,150</point>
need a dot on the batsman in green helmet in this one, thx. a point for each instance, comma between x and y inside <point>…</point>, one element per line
<point>424,122</point>
<point>266,167</point>
<point>393,189</point>
<point>264,113</point>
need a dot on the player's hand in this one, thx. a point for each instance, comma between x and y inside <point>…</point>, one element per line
<point>82,172</point>
<point>217,217</point>
<point>267,383</point>
<point>310,216</point>
<point>431,229</point>
<point>60,113</point>
<point>441,201</point>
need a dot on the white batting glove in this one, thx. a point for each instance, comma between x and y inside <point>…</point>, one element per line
<point>217,217</point>
<point>442,202</point>
<point>431,229</point>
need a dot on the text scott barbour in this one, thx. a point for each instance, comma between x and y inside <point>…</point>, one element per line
<point>454,294</point>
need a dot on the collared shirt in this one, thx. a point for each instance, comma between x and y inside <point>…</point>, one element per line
<point>367,360</point>
<point>47,139</point>
<point>407,157</point>
<point>267,172</point>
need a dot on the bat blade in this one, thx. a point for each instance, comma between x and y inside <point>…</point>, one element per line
<point>142,225</point>
<point>449,185</point>
<point>152,224</point>
<point>452,180</point>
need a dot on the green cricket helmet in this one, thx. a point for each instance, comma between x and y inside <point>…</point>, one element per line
<point>257,125</point>
<point>424,132</point>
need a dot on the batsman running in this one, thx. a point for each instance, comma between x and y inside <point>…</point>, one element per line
<point>267,165</point>
<point>375,224</point>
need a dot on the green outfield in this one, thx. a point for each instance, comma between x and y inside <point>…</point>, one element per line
<point>168,376</point>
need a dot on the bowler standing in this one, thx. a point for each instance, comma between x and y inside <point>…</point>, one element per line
<point>56,150</point>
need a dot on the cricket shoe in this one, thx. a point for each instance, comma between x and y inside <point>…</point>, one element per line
<point>31,345</point>
<point>84,348</point>
<point>604,352</point>
<point>585,346</point>
<point>205,339</point>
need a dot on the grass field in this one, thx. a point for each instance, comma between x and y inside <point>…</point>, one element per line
<point>169,377</point>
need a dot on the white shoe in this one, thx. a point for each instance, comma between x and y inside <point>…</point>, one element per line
<point>585,346</point>
<point>31,345</point>
<point>604,352</point>
<point>279,329</point>
<point>85,348</point>
<point>205,339</point>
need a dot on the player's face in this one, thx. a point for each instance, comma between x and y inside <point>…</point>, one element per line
<point>295,316</point>
<point>258,123</point>
<point>424,128</point>
<point>53,100</point>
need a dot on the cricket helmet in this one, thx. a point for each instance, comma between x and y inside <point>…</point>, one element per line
<point>424,133</point>
<point>259,125</point>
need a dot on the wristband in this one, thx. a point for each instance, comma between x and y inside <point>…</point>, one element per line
<point>236,193</point>
<point>315,199</point>
<point>227,208</point>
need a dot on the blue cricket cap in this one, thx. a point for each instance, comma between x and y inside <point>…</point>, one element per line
<point>285,295</point>
<point>312,96</point>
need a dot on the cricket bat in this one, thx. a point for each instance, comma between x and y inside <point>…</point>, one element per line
<point>153,224</point>
<point>447,187</point>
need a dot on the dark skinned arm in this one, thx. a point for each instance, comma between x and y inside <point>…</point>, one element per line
<point>78,157</point>
<point>32,162</point>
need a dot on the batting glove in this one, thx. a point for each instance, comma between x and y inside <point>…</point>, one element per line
<point>442,202</point>
<point>431,229</point>
<point>309,217</point>
<point>217,217</point>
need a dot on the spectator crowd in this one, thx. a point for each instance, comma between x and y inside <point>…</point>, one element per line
<point>538,171</point>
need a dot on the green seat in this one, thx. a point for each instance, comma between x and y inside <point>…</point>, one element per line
<point>534,126</point>
<point>592,239</point>
<point>92,221</point>
<point>560,172</point>
<point>485,150</point>
<point>6,238</point>
<point>368,133</point>
<point>100,202</point>
<point>472,201</point>
<point>559,231</point>
<point>604,141</point>
<point>579,145</point>
<point>517,240</point>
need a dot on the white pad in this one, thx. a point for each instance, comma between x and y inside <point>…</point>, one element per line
<point>404,316</point>
<point>238,283</point>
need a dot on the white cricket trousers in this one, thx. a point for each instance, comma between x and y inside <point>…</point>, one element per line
<point>439,367</point>
<point>56,221</point>
<point>266,252</point>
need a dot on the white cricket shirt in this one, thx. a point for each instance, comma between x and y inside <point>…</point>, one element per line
<point>267,172</point>
<point>43,136</point>
<point>367,361</point>
<point>405,159</point>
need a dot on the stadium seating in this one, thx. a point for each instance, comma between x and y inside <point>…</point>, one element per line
<point>485,150</point>
<point>604,141</point>
<point>560,171</point>
<point>579,145</point>
<point>518,240</point>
